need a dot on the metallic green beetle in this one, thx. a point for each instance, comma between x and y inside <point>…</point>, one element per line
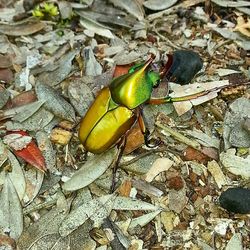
<point>114,111</point>
<point>117,108</point>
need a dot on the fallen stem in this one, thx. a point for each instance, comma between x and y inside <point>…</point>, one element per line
<point>180,137</point>
<point>127,163</point>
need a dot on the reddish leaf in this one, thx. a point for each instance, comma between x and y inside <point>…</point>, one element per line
<point>121,70</point>
<point>135,139</point>
<point>6,75</point>
<point>31,153</point>
<point>24,98</point>
<point>191,154</point>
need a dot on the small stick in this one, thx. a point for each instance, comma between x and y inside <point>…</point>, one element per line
<point>180,137</point>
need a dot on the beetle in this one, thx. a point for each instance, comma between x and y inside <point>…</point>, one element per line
<point>119,106</point>
<point>116,108</point>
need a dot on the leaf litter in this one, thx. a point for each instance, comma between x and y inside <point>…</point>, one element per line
<point>63,60</point>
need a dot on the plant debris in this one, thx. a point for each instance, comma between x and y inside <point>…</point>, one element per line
<point>189,189</point>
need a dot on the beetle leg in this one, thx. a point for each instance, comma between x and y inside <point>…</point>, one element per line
<point>115,162</point>
<point>146,132</point>
<point>169,99</point>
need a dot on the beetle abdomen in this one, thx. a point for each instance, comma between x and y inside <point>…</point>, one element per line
<point>96,111</point>
<point>101,128</point>
<point>114,124</point>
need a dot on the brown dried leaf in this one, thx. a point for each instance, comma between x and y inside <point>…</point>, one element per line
<point>134,140</point>
<point>177,199</point>
<point>125,188</point>
<point>7,242</point>
<point>191,154</point>
<point>22,29</point>
<point>6,75</point>
<point>24,98</point>
<point>5,61</point>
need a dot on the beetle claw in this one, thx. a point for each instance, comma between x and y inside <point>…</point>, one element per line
<point>147,141</point>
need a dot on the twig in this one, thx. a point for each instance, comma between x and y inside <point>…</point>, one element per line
<point>36,207</point>
<point>170,43</point>
<point>126,163</point>
<point>180,137</point>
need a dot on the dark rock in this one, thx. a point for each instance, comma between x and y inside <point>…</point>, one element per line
<point>236,200</point>
<point>185,65</point>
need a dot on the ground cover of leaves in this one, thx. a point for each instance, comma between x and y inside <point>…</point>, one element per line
<point>54,58</point>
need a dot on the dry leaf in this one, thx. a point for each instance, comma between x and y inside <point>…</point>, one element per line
<point>183,107</point>
<point>160,165</point>
<point>126,203</point>
<point>45,226</point>
<point>243,26</point>
<point>216,171</point>
<point>80,96</point>
<point>6,75</point>
<point>227,3</point>
<point>90,171</point>
<point>235,242</point>
<point>11,216</point>
<point>159,4</point>
<point>125,188</point>
<point>22,29</point>
<point>144,219</point>
<point>47,150</point>
<point>177,199</point>
<point>5,61</point>
<point>235,164</point>
<point>17,174</point>
<point>133,7</point>
<point>17,141</point>
<point>92,67</point>
<point>30,152</point>
<point>34,181</point>
<point>54,102</point>
<point>96,27</point>
<point>4,97</point>
<point>97,209</point>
